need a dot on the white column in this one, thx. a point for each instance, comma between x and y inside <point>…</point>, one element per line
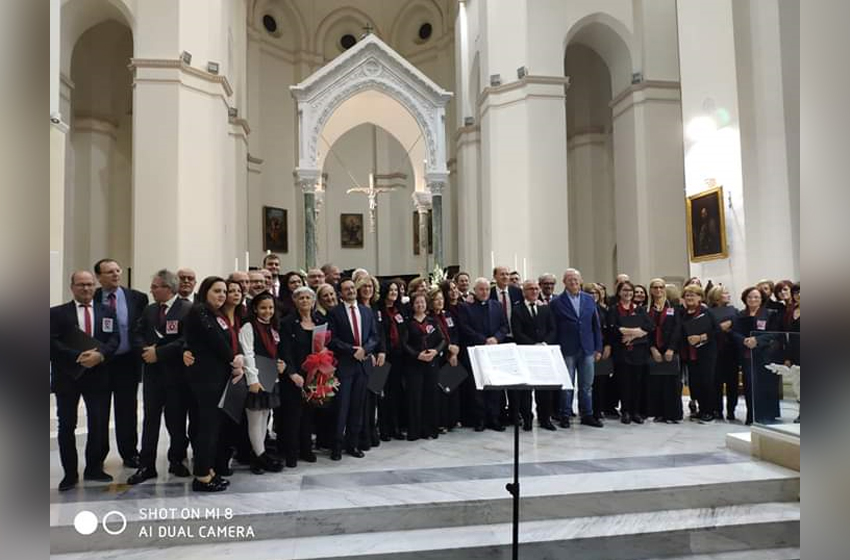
<point>58,143</point>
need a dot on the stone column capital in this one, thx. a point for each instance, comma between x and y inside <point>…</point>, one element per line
<point>436,182</point>
<point>307,179</point>
<point>421,201</point>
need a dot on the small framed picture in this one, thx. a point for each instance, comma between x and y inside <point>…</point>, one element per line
<point>275,234</point>
<point>706,226</point>
<point>351,231</point>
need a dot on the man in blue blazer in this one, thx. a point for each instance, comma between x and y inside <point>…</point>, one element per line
<point>580,336</point>
<point>483,322</point>
<point>125,369</point>
<point>76,374</point>
<point>354,339</point>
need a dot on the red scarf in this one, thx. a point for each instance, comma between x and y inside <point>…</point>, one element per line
<point>658,317</point>
<point>264,330</point>
<point>233,330</point>
<point>444,326</point>
<point>423,328</point>
<point>390,312</point>
<point>625,312</point>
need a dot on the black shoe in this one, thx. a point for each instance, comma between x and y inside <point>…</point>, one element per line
<point>68,482</point>
<point>659,419</point>
<point>291,463</point>
<point>797,419</point>
<point>374,439</point>
<point>211,486</point>
<point>626,418</point>
<point>411,437</point>
<point>565,422</point>
<point>706,419</point>
<point>692,406</point>
<point>97,476</point>
<point>731,417</point>
<point>637,419</point>
<point>336,454</point>
<point>141,475</point>
<point>364,445</point>
<point>179,469</point>
<point>612,414</point>
<point>479,427</point>
<point>526,425</point>
<point>223,481</point>
<point>669,421</point>
<point>132,462</point>
<point>354,452</point>
<point>385,437</point>
<point>400,436</point>
<point>497,427</point>
<point>549,426</point>
<point>591,421</point>
<point>308,457</point>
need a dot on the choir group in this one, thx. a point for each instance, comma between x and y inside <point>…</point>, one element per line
<point>629,355</point>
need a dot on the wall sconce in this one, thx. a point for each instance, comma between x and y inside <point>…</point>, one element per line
<point>521,72</point>
<point>212,67</point>
<point>495,80</point>
<point>186,57</point>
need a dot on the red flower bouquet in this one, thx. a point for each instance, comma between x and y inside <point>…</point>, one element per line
<point>321,383</point>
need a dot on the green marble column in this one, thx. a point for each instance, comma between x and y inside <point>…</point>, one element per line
<point>436,190</point>
<point>310,229</point>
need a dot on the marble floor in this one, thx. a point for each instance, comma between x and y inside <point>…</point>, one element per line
<point>403,497</point>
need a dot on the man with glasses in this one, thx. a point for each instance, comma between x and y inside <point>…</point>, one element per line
<point>186,289</point>
<point>547,287</point>
<point>75,373</point>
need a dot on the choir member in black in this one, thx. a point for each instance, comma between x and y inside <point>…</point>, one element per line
<point>664,391</point>
<point>324,419</point>
<point>213,358</point>
<point>260,337</point>
<point>76,374</point>
<point>630,349</point>
<point>448,405</point>
<point>605,393</point>
<point>767,287</point>
<point>699,352</point>
<point>754,331</point>
<point>641,297</point>
<point>394,327</point>
<point>325,299</point>
<point>482,322</point>
<point>289,282</point>
<point>367,295</point>
<point>726,368</point>
<point>158,338</point>
<point>532,323</point>
<point>792,327</point>
<point>295,437</point>
<point>423,345</point>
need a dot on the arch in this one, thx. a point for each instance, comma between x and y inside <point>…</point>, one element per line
<point>611,40</point>
<point>408,20</point>
<point>78,16</point>
<point>288,15</point>
<point>346,18</point>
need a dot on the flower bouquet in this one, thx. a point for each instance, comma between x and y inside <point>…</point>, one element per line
<point>321,383</point>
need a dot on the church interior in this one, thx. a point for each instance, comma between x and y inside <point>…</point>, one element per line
<point>656,138</point>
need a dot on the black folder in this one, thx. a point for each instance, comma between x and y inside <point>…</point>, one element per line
<point>378,378</point>
<point>450,377</point>
<point>81,342</point>
<point>267,372</point>
<point>604,368</point>
<point>725,313</point>
<point>664,367</point>
<point>233,398</point>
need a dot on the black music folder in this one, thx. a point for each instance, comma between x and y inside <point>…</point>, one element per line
<point>450,377</point>
<point>267,372</point>
<point>378,378</point>
<point>604,368</point>
<point>664,367</point>
<point>233,398</point>
<point>81,342</point>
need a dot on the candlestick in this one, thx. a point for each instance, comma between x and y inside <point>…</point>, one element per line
<point>492,260</point>
<point>524,269</point>
<point>236,263</point>
<point>247,260</point>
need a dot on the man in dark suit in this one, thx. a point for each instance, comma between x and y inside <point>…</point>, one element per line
<point>547,283</point>
<point>158,338</point>
<point>508,296</point>
<point>483,322</point>
<point>533,323</point>
<point>76,374</point>
<point>188,279</point>
<point>354,340</point>
<point>125,368</point>
<point>580,336</point>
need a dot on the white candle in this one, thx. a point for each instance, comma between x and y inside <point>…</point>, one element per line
<point>268,251</point>
<point>247,260</point>
<point>492,260</point>
<point>236,263</point>
<point>524,269</point>
<point>516,263</point>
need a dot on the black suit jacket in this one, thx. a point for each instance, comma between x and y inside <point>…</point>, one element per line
<point>169,347</point>
<point>514,295</point>
<point>208,338</point>
<point>342,339</point>
<point>63,359</point>
<point>136,304</point>
<point>481,320</point>
<point>533,330</point>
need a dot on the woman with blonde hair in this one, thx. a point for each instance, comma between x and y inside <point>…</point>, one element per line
<point>699,351</point>
<point>726,368</point>
<point>325,299</point>
<point>368,294</point>
<point>664,391</point>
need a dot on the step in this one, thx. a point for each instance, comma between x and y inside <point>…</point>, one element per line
<point>295,509</point>
<point>631,536</point>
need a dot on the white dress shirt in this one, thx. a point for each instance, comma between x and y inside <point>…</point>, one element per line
<point>348,306</point>
<point>81,315</point>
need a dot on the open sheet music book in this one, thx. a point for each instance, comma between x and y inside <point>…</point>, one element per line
<point>500,365</point>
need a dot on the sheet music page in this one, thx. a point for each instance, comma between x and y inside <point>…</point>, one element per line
<point>502,365</point>
<point>543,365</point>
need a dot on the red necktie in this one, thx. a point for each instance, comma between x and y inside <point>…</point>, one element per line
<point>355,327</point>
<point>505,303</point>
<point>88,321</point>
<point>162,310</point>
<point>112,298</point>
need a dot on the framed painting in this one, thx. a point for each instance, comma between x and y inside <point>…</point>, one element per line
<point>416,233</point>
<point>275,234</point>
<point>706,223</point>
<point>351,231</point>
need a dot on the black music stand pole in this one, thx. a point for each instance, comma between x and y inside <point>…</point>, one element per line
<point>513,490</point>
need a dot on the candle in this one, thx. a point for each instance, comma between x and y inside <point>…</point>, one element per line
<point>247,259</point>
<point>524,269</point>
<point>516,264</point>
<point>268,251</point>
<point>236,263</point>
<point>492,260</point>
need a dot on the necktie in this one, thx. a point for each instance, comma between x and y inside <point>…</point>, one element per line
<point>88,321</point>
<point>163,309</point>
<point>355,327</point>
<point>505,302</point>
<point>533,309</point>
<point>111,298</point>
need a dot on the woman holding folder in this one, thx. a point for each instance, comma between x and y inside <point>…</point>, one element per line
<point>699,351</point>
<point>390,316</point>
<point>260,337</point>
<point>423,345</point>
<point>213,359</point>
<point>629,332</point>
<point>664,391</point>
<point>448,403</point>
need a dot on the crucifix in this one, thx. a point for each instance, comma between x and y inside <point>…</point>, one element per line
<point>372,193</point>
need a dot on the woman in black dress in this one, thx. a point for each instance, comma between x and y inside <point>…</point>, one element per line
<point>423,345</point>
<point>393,325</point>
<point>448,403</point>
<point>212,358</point>
<point>726,367</point>
<point>629,332</point>
<point>604,391</point>
<point>260,337</point>
<point>367,294</point>
<point>664,391</point>
<point>289,282</point>
<point>699,351</point>
<point>295,435</point>
<point>754,331</point>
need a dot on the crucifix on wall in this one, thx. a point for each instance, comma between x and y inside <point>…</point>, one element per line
<point>372,192</point>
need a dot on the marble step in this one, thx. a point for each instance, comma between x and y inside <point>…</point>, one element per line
<point>750,531</point>
<point>299,512</point>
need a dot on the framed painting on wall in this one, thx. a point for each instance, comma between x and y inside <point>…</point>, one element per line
<point>351,231</point>
<point>416,233</point>
<point>706,223</point>
<point>275,234</point>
